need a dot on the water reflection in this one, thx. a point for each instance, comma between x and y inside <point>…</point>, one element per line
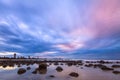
<point>7,68</point>
<point>60,71</point>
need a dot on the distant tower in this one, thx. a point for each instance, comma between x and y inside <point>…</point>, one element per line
<point>15,55</point>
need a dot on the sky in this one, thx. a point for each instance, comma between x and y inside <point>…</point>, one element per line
<point>83,29</point>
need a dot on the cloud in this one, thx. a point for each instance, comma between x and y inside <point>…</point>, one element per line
<point>33,26</point>
<point>8,53</point>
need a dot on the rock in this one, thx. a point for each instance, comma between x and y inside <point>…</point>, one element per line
<point>28,68</point>
<point>19,65</point>
<point>42,69</point>
<point>116,66</point>
<point>61,64</point>
<point>106,68</point>
<point>21,71</point>
<point>116,72</point>
<point>56,63</point>
<point>52,76</point>
<point>73,74</point>
<point>80,64</point>
<point>89,65</point>
<point>81,67</point>
<point>34,72</point>
<point>4,66</point>
<point>43,66</point>
<point>59,69</point>
<point>69,63</point>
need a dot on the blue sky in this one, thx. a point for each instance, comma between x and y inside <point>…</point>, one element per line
<point>58,28</point>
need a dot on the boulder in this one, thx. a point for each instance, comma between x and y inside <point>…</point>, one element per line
<point>21,71</point>
<point>73,74</point>
<point>59,69</point>
<point>116,72</point>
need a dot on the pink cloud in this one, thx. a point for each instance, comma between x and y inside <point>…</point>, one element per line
<point>105,17</point>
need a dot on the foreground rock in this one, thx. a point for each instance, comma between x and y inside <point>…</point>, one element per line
<point>43,66</point>
<point>42,69</point>
<point>116,72</point>
<point>59,69</point>
<point>73,74</point>
<point>21,71</point>
<point>116,66</point>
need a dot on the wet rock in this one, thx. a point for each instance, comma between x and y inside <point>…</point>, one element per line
<point>80,64</point>
<point>52,76</point>
<point>116,72</point>
<point>43,66</point>
<point>56,63</point>
<point>61,64</point>
<point>19,65</point>
<point>89,65</point>
<point>34,72</point>
<point>42,69</point>
<point>106,68</point>
<point>116,66</point>
<point>69,63</point>
<point>21,71</point>
<point>4,66</point>
<point>81,67</point>
<point>73,74</point>
<point>59,69</point>
<point>28,68</point>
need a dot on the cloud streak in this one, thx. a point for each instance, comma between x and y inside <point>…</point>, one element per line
<point>69,26</point>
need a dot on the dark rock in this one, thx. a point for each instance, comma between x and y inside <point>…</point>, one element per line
<point>106,68</point>
<point>28,68</point>
<point>116,72</point>
<point>43,66</point>
<point>52,76</point>
<point>59,69</point>
<point>69,63</point>
<point>56,63</point>
<point>81,67</point>
<point>73,74</point>
<point>42,69</point>
<point>34,72</point>
<point>21,71</point>
<point>116,66</point>
<point>89,65</point>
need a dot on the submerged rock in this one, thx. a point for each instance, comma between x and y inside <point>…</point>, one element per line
<point>59,69</point>
<point>73,74</point>
<point>21,71</point>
